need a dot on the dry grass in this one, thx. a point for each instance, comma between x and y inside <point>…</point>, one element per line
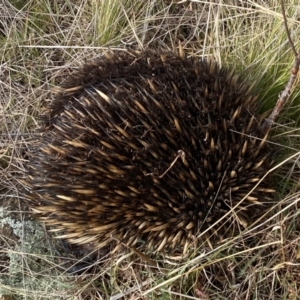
<point>43,41</point>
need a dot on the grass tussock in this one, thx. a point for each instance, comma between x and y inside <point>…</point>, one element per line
<point>42,42</point>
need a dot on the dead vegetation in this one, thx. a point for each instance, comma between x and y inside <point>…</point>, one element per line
<point>42,42</point>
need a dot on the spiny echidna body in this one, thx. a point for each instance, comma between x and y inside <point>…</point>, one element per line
<point>148,146</point>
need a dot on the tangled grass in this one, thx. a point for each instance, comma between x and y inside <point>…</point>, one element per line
<point>42,42</point>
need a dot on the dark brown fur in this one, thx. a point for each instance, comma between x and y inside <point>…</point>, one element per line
<point>148,146</point>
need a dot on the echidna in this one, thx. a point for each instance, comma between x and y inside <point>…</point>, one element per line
<point>149,146</point>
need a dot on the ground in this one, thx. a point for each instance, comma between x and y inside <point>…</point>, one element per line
<point>42,42</point>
